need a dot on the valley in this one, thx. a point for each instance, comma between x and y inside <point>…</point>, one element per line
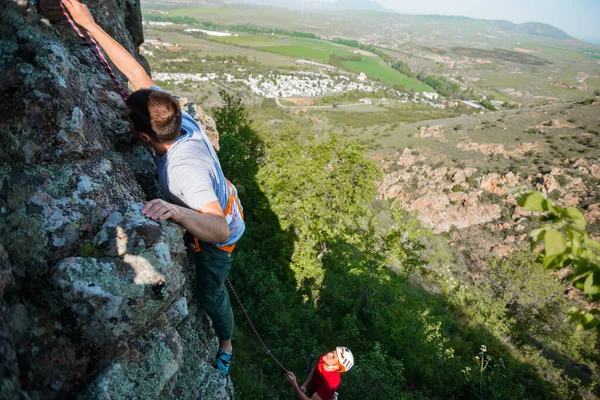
<point>460,117</point>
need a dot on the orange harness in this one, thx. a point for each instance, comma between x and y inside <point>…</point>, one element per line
<point>227,211</point>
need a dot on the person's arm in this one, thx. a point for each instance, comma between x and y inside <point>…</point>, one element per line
<point>291,378</point>
<point>308,380</point>
<point>207,223</point>
<point>124,61</point>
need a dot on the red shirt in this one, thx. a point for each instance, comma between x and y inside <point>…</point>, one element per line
<point>324,383</point>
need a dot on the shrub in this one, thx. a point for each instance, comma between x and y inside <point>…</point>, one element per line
<point>566,243</point>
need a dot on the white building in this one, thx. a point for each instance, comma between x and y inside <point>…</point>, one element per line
<point>430,95</point>
<point>470,104</point>
<point>209,33</point>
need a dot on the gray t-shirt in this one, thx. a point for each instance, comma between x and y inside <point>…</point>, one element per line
<point>190,175</point>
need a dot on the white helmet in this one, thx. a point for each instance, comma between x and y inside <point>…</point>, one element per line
<point>345,358</point>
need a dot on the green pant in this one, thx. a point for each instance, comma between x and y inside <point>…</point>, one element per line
<point>212,269</point>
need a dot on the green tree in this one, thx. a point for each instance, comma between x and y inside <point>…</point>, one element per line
<point>566,243</point>
<point>488,104</point>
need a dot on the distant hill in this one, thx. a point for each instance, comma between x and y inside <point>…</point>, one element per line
<point>527,28</point>
<point>365,5</point>
<point>356,19</point>
<point>542,30</point>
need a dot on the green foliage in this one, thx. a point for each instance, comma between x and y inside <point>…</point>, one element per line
<point>355,44</point>
<point>171,18</point>
<point>318,268</point>
<point>304,35</point>
<point>487,104</point>
<point>587,102</point>
<point>403,241</point>
<point>401,67</point>
<point>510,106</point>
<point>318,189</point>
<point>232,117</point>
<point>443,86</point>
<point>566,243</point>
<point>597,92</point>
<point>383,373</point>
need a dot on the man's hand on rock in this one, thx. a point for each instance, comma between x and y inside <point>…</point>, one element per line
<point>80,13</point>
<point>160,209</point>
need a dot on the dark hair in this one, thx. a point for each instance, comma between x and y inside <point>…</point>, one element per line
<point>155,113</point>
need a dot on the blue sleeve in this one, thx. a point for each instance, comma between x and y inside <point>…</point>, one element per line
<point>189,123</point>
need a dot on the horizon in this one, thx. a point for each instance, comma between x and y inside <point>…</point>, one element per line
<point>578,18</point>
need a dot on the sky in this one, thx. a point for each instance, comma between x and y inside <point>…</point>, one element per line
<point>579,18</point>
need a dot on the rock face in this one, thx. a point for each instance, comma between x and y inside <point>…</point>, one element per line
<point>442,196</point>
<point>96,301</point>
<point>450,196</point>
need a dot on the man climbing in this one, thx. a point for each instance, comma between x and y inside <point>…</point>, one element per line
<point>201,200</point>
<point>324,379</point>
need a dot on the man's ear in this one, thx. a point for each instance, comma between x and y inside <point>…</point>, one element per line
<point>145,138</point>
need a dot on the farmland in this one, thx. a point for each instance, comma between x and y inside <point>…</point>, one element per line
<point>374,68</point>
<point>321,51</point>
<point>304,48</point>
<point>452,165</point>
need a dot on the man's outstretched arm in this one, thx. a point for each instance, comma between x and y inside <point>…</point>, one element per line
<point>124,61</point>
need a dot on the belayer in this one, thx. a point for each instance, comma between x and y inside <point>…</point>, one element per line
<point>200,198</point>
<point>325,377</point>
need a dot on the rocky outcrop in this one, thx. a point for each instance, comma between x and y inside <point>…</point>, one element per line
<point>436,132</point>
<point>493,149</point>
<point>461,197</point>
<point>443,197</point>
<point>96,301</point>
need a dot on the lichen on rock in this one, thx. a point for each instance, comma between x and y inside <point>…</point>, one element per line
<point>96,300</point>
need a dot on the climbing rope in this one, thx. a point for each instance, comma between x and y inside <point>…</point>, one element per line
<point>254,329</point>
<point>95,49</point>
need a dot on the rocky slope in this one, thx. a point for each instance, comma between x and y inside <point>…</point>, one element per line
<point>465,176</point>
<point>96,301</point>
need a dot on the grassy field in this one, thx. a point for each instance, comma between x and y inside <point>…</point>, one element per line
<point>216,48</point>
<point>593,83</point>
<point>375,68</point>
<point>317,50</point>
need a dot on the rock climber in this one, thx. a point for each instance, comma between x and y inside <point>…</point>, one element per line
<point>325,377</point>
<point>200,199</point>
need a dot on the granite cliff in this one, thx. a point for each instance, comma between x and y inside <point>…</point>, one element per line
<point>96,301</point>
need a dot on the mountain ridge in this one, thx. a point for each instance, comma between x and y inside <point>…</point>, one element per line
<point>360,5</point>
<point>532,28</point>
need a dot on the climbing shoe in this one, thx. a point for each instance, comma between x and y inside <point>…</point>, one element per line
<point>223,361</point>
